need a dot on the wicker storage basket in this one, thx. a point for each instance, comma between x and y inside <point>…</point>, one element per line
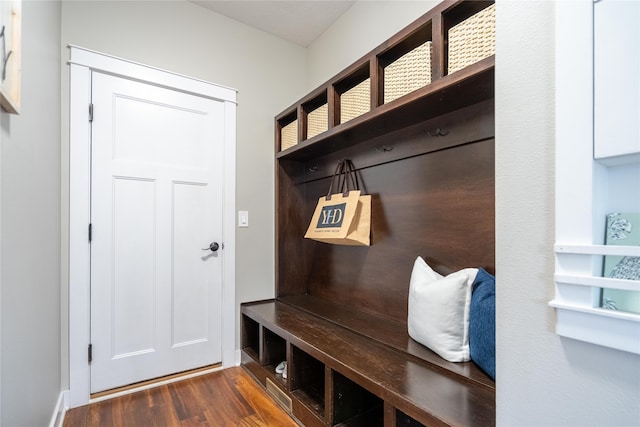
<point>317,121</point>
<point>408,73</point>
<point>289,135</point>
<point>355,102</point>
<point>473,39</point>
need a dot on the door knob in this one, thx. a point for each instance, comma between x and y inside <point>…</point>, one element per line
<point>214,246</point>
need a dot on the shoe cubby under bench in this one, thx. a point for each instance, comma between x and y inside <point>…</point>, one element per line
<point>340,373</point>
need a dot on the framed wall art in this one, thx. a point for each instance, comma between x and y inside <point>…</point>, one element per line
<point>622,229</point>
<point>10,52</point>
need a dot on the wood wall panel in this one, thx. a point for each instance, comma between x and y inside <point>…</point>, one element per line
<point>439,206</point>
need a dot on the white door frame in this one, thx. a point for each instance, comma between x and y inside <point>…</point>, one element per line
<point>82,62</point>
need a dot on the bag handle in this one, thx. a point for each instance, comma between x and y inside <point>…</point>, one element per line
<point>338,173</point>
<point>350,175</point>
<point>346,173</point>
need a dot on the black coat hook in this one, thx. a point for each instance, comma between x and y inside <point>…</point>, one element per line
<point>438,132</point>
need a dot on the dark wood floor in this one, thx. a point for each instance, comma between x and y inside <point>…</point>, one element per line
<point>224,398</point>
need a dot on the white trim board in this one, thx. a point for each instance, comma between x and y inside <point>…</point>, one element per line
<point>82,62</point>
<point>110,64</point>
<point>57,418</point>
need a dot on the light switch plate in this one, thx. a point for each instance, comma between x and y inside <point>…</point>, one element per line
<point>243,218</point>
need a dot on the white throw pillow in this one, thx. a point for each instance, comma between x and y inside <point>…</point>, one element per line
<point>439,310</point>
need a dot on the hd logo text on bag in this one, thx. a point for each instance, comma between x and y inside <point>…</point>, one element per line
<point>331,216</point>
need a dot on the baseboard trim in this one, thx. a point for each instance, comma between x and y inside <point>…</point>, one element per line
<point>57,418</point>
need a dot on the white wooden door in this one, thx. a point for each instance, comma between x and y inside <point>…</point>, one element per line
<point>156,202</point>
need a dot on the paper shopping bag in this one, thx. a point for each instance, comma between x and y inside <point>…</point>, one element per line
<point>342,218</point>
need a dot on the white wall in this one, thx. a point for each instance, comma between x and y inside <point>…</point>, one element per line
<point>182,37</point>
<point>362,28</point>
<point>542,379</point>
<point>30,218</point>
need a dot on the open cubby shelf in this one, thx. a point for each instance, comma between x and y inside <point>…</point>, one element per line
<point>251,338</point>
<point>424,150</point>
<point>466,87</point>
<point>371,75</point>
<point>307,380</point>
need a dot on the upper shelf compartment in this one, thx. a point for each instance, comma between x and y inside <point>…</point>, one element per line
<point>442,62</point>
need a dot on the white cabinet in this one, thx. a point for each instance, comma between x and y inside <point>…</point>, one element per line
<point>597,164</point>
<point>617,80</point>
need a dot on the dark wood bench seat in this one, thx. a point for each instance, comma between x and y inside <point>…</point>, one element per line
<point>386,331</point>
<point>401,373</point>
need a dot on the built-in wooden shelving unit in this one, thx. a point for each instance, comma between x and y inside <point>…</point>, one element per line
<point>423,148</point>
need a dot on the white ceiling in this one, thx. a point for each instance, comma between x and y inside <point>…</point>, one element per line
<point>299,21</point>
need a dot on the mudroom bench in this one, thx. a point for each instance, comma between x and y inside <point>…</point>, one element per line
<point>415,118</point>
<point>347,376</point>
